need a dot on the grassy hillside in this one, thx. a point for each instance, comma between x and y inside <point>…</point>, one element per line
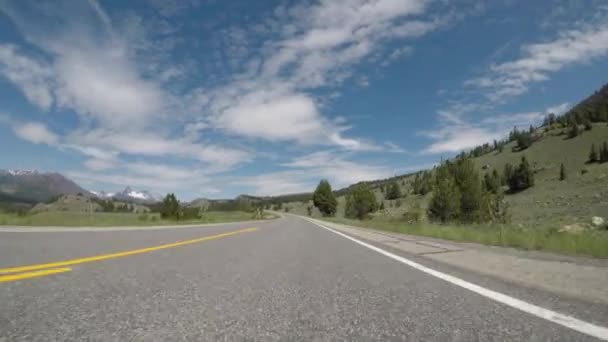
<point>550,202</point>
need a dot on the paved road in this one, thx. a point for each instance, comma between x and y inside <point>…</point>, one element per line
<point>287,280</point>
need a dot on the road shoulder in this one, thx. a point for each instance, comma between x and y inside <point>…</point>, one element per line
<point>557,274</point>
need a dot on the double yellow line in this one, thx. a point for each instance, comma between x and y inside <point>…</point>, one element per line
<point>39,270</point>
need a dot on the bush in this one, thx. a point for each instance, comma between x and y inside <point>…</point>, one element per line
<point>360,202</point>
<point>143,217</point>
<point>414,215</point>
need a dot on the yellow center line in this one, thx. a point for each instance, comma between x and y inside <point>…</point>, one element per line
<point>33,274</point>
<point>119,254</point>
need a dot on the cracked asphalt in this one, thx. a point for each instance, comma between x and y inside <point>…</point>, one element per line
<point>288,280</point>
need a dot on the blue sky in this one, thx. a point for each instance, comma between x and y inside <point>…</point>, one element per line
<point>219,98</point>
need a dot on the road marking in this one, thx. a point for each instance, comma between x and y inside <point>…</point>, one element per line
<point>552,316</point>
<point>119,254</point>
<point>34,274</point>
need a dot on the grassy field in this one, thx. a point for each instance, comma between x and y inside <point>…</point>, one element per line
<point>74,219</point>
<point>587,243</point>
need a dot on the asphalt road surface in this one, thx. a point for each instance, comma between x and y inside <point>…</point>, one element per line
<point>287,279</point>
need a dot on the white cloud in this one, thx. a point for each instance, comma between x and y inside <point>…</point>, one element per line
<point>35,132</point>
<point>304,173</point>
<point>99,164</point>
<point>539,60</point>
<point>33,77</point>
<point>559,109</point>
<point>274,116</point>
<point>458,133</point>
<point>136,143</point>
<point>459,138</point>
<point>90,69</point>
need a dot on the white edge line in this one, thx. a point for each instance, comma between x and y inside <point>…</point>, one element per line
<point>552,316</point>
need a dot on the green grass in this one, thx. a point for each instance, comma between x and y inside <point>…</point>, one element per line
<point>75,219</point>
<point>548,239</point>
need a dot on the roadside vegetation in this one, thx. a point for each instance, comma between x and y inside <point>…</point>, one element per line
<point>593,243</point>
<point>80,210</point>
<point>100,219</point>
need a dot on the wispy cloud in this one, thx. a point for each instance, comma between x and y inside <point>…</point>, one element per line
<point>539,60</point>
<point>35,132</point>
<point>271,100</point>
<point>459,133</point>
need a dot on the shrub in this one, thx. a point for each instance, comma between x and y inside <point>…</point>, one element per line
<point>562,172</point>
<point>143,217</point>
<point>414,214</point>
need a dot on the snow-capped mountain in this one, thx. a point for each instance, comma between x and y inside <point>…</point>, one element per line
<point>19,172</point>
<point>128,194</point>
<point>102,194</point>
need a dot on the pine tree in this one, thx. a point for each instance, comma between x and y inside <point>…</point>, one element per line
<point>593,157</point>
<point>393,192</point>
<point>360,202</point>
<point>170,207</point>
<point>562,172</point>
<point>604,153</point>
<point>324,199</point>
<point>507,174</point>
<point>491,182</point>
<point>574,131</point>
<point>445,203</point>
<point>469,186</point>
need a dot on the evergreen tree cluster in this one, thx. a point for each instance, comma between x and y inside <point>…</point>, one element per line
<point>524,139</point>
<point>423,183</point>
<point>518,178</point>
<point>459,195</point>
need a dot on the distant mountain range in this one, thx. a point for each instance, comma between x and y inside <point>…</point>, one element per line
<point>32,186</point>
